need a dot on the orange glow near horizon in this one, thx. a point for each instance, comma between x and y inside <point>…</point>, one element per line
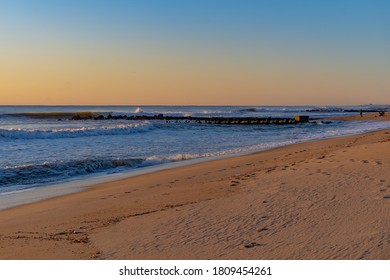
<point>189,81</point>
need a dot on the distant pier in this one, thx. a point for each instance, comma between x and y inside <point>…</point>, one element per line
<point>206,120</point>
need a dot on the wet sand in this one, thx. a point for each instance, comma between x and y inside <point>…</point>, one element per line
<point>326,199</point>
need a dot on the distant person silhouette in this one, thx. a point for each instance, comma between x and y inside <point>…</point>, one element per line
<point>361,113</point>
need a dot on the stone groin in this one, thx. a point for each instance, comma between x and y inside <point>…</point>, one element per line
<point>207,120</point>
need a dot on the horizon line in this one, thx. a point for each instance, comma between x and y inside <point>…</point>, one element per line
<point>160,105</point>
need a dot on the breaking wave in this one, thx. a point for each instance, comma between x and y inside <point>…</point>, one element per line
<point>48,172</point>
<point>55,115</point>
<point>74,132</point>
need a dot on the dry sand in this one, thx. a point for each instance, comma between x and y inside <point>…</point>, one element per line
<point>327,199</point>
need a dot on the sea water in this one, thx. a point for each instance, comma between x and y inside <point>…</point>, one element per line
<point>40,145</point>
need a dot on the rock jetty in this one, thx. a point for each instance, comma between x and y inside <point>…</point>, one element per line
<point>207,120</point>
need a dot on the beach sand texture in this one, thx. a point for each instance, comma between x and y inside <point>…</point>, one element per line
<point>327,199</point>
<point>364,117</point>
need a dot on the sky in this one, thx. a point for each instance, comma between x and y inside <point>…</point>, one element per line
<point>215,52</point>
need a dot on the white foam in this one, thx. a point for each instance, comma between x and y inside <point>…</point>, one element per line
<point>73,132</point>
<point>138,111</point>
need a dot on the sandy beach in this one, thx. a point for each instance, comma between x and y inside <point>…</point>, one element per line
<point>326,199</point>
<point>364,117</point>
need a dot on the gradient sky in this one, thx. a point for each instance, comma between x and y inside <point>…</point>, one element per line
<point>194,52</point>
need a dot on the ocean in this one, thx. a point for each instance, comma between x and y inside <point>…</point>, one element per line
<point>41,146</point>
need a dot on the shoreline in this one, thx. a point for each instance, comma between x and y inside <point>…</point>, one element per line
<point>42,193</point>
<point>290,202</point>
<point>364,117</point>
<point>76,185</point>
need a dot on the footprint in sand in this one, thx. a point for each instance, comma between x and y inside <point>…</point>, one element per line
<point>234,183</point>
<point>365,161</point>
<point>262,229</point>
<point>253,244</point>
<point>352,160</point>
<point>387,197</point>
<point>378,162</point>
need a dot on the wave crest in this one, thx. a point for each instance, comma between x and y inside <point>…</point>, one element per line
<point>120,129</point>
<point>47,172</point>
<point>55,115</point>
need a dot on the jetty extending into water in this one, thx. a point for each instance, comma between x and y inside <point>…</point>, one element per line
<point>206,120</point>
